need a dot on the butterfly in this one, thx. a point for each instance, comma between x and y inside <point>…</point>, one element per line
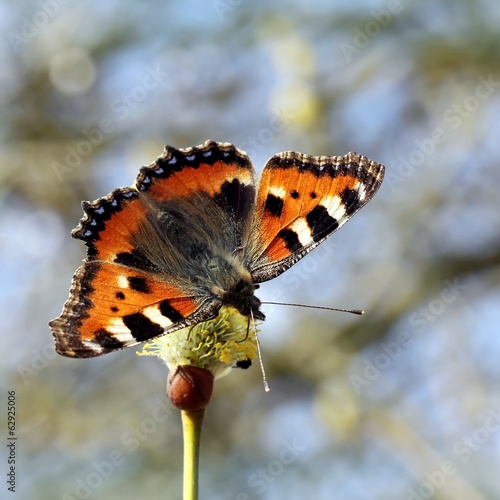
<point>195,234</point>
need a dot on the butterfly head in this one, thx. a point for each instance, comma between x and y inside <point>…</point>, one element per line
<point>241,296</point>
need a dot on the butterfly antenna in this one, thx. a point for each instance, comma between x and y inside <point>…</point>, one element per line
<point>246,336</point>
<point>189,332</point>
<point>352,311</point>
<point>264,378</point>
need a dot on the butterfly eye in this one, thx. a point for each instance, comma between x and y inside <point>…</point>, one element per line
<point>256,287</point>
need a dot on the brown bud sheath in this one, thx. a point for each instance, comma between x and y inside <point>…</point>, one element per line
<point>190,387</point>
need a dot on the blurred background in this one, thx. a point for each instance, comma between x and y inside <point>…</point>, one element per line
<point>400,403</point>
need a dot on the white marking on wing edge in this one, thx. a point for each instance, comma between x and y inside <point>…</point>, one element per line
<point>117,327</point>
<point>334,206</point>
<point>361,191</point>
<point>154,314</point>
<point>303,231</point>
<point>92,346</point>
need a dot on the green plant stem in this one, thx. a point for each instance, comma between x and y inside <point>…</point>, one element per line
<point>192,422</point>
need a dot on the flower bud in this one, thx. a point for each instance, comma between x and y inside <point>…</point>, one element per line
<point>190,387</point>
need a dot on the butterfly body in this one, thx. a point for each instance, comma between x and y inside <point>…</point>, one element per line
<point>204,258</point>
<point>195,234</point>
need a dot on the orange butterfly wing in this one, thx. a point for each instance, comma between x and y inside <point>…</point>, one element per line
<point>301,201</point>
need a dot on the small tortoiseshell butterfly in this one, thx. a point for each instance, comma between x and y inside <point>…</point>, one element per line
<point>194,234</point>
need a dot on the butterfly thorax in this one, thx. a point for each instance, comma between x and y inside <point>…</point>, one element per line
<point>182,243</point>
<point>232,285</point>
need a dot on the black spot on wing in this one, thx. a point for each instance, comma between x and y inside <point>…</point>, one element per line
<point>135,259</point>
<point>139,284</point>
<point>350,199</point>
<point>320,222</point>
<point>170,312</point>
<point>236,199</point>
<point>291,239</point>
<point>141,327</point>
<point>294,194</point>
<point>120,295</point>
<point>273,205</point>
<point>107,340</point>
